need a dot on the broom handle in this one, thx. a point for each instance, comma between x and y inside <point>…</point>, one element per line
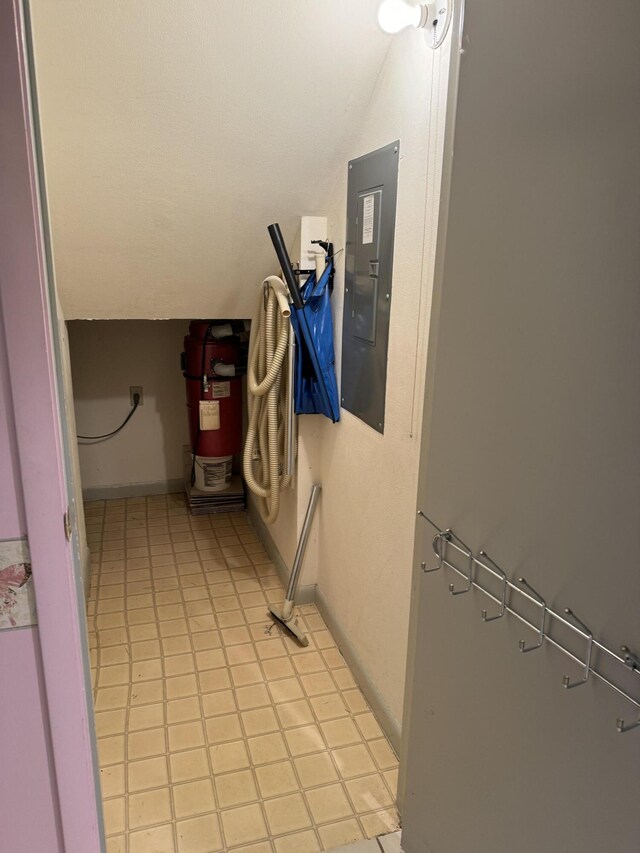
<point>302,542</point>
<point>285,264</point>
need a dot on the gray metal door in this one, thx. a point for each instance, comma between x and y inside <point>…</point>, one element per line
<point>531,447</point>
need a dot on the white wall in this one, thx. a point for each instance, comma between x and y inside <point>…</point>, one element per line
<point>175,132</point>
<point>366,516</point>
<point>106,358</point>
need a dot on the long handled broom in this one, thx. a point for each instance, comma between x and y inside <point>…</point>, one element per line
<point>285,615</point>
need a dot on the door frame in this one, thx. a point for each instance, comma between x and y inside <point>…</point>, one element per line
<point>26,291</point>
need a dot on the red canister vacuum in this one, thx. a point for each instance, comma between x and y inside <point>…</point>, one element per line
<point>212,367</point>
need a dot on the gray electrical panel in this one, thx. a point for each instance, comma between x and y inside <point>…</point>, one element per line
<point>371,219</point>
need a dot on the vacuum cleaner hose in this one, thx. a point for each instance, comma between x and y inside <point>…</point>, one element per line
<point>267,433</point>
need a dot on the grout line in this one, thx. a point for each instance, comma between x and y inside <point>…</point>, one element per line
<point>235,577</point>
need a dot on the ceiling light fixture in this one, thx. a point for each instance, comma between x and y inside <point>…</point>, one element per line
<point>434,18</point>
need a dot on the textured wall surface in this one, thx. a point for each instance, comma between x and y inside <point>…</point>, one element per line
<point>106,358</point>
<point>175,132</point>
<point>362,561</point>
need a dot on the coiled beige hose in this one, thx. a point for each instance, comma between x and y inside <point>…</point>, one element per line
<point>267,434</point>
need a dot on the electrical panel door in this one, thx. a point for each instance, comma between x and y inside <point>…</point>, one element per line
<point>371,217</point>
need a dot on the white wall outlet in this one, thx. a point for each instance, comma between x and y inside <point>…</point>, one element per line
<point>135,389</point>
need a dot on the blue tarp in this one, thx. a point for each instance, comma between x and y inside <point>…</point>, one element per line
<point>316,389</point>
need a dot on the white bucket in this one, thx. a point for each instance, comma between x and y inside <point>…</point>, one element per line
<point>213,473</point>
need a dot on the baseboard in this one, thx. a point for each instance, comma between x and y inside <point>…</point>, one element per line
<point>133,490</point>
<point>388,723</point>
<point>306,593</point>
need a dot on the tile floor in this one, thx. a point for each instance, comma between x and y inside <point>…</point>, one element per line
<point>217,732</point>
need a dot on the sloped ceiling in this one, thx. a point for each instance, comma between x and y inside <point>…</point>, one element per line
<point>175,131</point>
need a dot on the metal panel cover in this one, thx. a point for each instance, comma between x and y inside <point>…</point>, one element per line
<point>371,218</point>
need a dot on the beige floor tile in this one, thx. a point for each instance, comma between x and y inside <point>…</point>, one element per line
<point>141,617</point>
<point>329,803</point>
<point>149,808</point>
<point>276,779</point>
<point>287,814</point>
<point>293,714</point>
<point>259,847</point>
<point>391,778</point>
<point>267,748</point>
<point>147,692</point>
<point>368,793</point>
<point>154,840</point>
<point>318,683</point>
<point>110,722</point>
<point>114,815</point>
<point>185,736</point>
<point>179,665</point>
<point>206,640</point>
<point>110,698</point>
<point>356,701</point>
<point>138,633</point>
<point>222,728</point>
<point>333,658</point>
<point>368,726</point>
<point>299,842</point>
<point>340,732</point>
<point>254,696</point>
<point>380,822</point>
<point>146,717</point>
<point>257,614</point>
<point>146,650</point>
<point>235,789</point>
<point>167,612</point>
<point>235,636</point>
<point>187,766</point>
<point>353,761</point>
<point>183,710</point>
<point>222,702</point>
<point>243,824</point>
<point>214,679</point>
<point>180,635</point>
<point>384,756</point>
<point>210,659</point>
<point>329,706</point>
<point>173,628</point>
<point>192,798</point>
<point>304,740</point>
<point>343,832</point>
<point>286,690</point>
<point>316,769</point>
<point>112,781</point>
<point>273,648</point>
<point>245,674</point>
<point>260,721</point>
<point>148,773</point>
<point>199,834</point>
<point>176,645</point>
<point>114,654</point>
<point>146,744</point>
<point>111,749</point>
<point>146,670</point>
<point>117,844</point>
<point>181,686</point>
<point>277,668</point>
<point>308,663</point>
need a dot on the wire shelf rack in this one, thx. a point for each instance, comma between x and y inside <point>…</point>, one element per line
<point>475,570</point>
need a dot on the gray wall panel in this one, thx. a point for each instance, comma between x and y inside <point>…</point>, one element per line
<point>532,435</point>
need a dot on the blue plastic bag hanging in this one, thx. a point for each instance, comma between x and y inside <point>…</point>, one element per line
<point>308,396</point>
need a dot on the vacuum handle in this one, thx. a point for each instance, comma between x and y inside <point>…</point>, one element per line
<point>283,259</point>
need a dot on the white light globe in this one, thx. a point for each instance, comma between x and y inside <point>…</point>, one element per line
<point>395,15</point>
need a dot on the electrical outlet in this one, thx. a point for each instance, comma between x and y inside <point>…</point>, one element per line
<point>135,389</point>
